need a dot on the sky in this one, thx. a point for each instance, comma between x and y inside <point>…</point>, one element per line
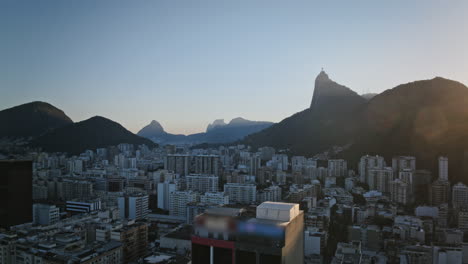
<point>187,63</point>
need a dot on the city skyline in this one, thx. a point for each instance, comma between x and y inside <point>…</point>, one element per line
<point>186,65</point>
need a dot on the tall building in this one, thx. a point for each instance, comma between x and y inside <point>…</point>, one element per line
<point>379,179</point>
<point>73,189</point>
<point>400,163</point>
<point>297,163</point>
<point>133,207</point>
<point>440,189</point>
<point>440,192</point>
<point>281,161</point>
<point>367,163</point>
<point>218,198</point>
<point>400,192</point>
<point>241,193</point>
<point>442,215</point>
<point>254,164</point>
<point>45,214</point>
<point>135,241</point>
<point>164,190</point>
<point>443,168</point>
<point>422,181</point>
<point>206,164</point>
<point>266,153</point>
<point>314,241</point>
<point>337,168</point>
<point>272,194</point>
<point>115,184</point>
<point>179,201</point>
<point>462,219</point>
<point>142,183</point>
<point>275,235</point>
<point>16,202</point>
<point>179,164</point>
<point>460,195</point>
<point>202,183</point>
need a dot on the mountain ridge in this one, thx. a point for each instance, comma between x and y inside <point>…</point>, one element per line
<point>92,133</point>
<point>217,132</point>
<point>31,119</point>
<point>425,119</point>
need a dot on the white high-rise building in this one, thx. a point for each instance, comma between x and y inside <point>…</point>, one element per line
<point>337,168</point>
<point>133,207</point>
<point>400,163</point>
<point>241,193</point>
<point>443,168</point>
<point>45,214</point>
<point>400,192</point>
<point>179,164</point>
<point>298,162</point>
<point>254,164</point>
<point>202,183</point>
<point>460,195</point>
<point>379,179</point>
<point>164,190</point>
<point>218,198</point>
<point>313,241</point>
<point>272,194</point>
<point>206,164</point>
<point>132,163</point>
<point>367,163</point>
<point>406,175</point>
<point>179,201</point>
<point>281,160</point>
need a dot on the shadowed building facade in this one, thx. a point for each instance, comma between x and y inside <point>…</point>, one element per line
<point>15,192</point>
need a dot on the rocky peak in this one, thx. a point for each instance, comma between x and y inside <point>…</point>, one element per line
<point>215,124</point>
<point>328,93</point>
<point>152,129</point>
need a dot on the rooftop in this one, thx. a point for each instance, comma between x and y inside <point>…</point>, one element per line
<point>184,233</point>
<point>277,211</point>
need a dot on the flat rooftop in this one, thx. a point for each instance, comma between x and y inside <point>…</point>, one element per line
<point>277,211</point>
<point>184,233</point>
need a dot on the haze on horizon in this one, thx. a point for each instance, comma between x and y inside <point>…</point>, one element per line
<point>186,63</point>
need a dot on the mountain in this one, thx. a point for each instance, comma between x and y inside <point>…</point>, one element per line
<point>31,120</point>
<point>155,132</point>
<point>329,121</point>
<point>151,130</point>
<point>215,124</point>
<point>235,130</point>
<point>216,132</point>
<point>424,119</point>
<point>92,133</point>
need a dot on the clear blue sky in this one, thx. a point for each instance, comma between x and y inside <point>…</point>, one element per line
<point>186,63</point>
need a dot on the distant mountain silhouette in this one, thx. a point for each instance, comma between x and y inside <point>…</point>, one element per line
<point>236,129</point>
<point>215,124</point>
<point>217,132</point>
<point>31,120</point>
<point>153,129</point>
<point>92,133</point>
<point>423,118</point>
